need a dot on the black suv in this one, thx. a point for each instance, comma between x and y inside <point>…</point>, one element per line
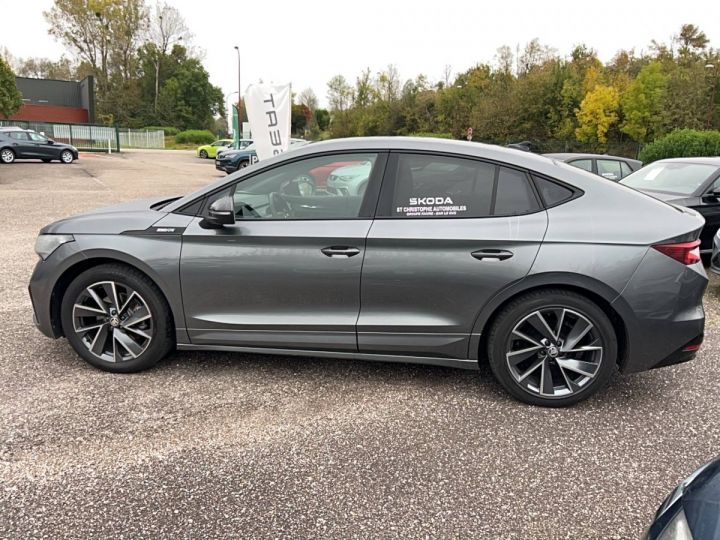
<point>17,143</point>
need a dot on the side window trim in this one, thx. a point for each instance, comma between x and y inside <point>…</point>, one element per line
<point>577,192</point>
<point>367,208</point>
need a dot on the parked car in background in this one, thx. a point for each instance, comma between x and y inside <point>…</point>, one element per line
<point>690,182</point>
<point>230,161</point>
<point>320,174</point>
<point>611,167</point>
<point>17,143</point>
<point>210,150</point>
<point>240,145</point>
<point>467,253</point>
<point>692,510</point>
<point>350,180</point>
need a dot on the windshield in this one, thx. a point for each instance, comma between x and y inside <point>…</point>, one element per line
<point>683,178</point>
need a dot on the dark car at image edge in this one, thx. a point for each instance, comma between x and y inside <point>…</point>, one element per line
<point>454,254</point>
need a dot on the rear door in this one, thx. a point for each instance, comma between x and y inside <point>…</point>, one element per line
<point>21,145</point>
<point>450,233</point>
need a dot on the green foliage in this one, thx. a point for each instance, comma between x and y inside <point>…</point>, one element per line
<point>169,130</point>
<point>434,135</point>
<point>683,143</point>
<point>195,136</point>
<point>643,103</point>
<point>10,97</point>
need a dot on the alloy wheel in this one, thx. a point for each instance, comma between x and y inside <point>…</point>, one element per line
<point>66,157</point>
<point>554,352</point>
<point>7,156</point>
<point>112,321</point>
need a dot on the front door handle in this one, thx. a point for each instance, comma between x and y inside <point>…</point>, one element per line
<point>493,254</point>
<point>340,251</point>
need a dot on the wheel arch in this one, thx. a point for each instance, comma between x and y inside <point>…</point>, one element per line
<point>79,266</point>
<point>605,297</point>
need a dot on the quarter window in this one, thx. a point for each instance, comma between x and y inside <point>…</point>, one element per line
<point>328,187</point>
<point>625,168</point>
<point>552,193</point>
<point>439,186</point>
<point>609,168</point>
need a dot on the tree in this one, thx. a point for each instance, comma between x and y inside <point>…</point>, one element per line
<point>44,68</point>
<point>10,97</point>
<point>597,114</point>
<point>643,104</point>
<point>105,35</point>
<point>167,28</point>
<point>308,98</point>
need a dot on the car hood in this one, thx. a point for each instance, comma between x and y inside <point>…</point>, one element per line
<point>353,170</point>
<point>130,216</point>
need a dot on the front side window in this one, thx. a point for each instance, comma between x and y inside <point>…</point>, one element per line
<point>441,186</point>
<point>610,169</point>
<point>327,187</point>
<point>37,137</point>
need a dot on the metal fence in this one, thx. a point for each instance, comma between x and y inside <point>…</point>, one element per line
<point>142,138</point>
<point>91,137</point>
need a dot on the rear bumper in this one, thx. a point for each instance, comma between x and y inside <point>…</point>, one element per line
<point>663,312</point>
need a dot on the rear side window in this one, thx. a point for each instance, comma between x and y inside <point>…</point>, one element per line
<point>625,169</point>
<point>514,194</point>
<point>610,169</point>
<point>551,193</point>
<point>440,186</point>
<point>584,164</point>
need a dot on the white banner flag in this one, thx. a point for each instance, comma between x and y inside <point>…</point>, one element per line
<point>268,110</point>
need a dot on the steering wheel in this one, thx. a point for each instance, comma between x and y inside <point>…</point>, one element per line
<point>279,207</point>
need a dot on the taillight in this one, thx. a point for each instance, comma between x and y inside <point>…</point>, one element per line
<point>684,252</point>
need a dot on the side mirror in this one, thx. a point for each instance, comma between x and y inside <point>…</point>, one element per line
<point>50,141</point>
<point>713,194</point>
<point>220,213</point>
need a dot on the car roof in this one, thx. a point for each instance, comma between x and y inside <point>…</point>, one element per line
<point>564,156</point>
<point>12,128</point>
<point>710,160</point>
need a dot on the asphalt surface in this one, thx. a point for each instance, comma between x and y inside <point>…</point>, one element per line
<point>213,445</point>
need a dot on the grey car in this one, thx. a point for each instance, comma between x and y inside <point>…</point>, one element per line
<point>613,168</point>
<point>455,254</point>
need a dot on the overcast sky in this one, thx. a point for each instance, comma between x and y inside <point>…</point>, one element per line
<point>306,43</point>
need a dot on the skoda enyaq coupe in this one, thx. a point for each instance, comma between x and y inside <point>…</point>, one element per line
<point>455,254</point>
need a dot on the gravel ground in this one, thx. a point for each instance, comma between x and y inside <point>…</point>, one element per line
<point>213,445</point>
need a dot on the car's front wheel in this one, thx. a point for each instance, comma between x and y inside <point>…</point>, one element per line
<point>7,155</point>
<point>203,154</point>
<point>66,156</point>
<point>552,348</point>
<point>244,164</point>
<point>117,319</point>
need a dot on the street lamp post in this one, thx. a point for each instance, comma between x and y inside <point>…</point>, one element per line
<point>239,122</point>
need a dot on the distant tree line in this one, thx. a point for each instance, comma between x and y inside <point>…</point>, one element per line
<point>537,95</point>
<point>146,70</point>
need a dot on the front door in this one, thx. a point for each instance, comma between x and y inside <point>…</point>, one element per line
<point>42,147</point>
<point>450,233</point>
<point>287,273</point>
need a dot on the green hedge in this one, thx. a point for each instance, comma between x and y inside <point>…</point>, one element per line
<point>435,135</point>
<point>195,136</point>
<point>169,130</point>
<point>682,143</point>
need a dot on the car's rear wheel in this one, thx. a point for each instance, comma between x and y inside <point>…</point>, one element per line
<point>203,154</point>
<point>7,155</point>
<point>117,319</point>
<point>552,348</point>
<point>66,156</point>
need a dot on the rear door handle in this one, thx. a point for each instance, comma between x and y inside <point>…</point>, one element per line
<point>340,251</point>
<point>494,254</point>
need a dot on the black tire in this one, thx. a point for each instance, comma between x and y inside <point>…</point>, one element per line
<point>66,157</point>
<point>7,155</point>
<point>203,154</point>
<point>244,164</point>
<point>550,299</point>
<point>46,160</point>
<point>162,333</point>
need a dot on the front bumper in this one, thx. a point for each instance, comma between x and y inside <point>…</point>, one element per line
<point>225,166</point>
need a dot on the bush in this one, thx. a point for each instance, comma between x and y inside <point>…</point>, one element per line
<point>682,143</point>
<point>435,135</point>
<point>169,130</point>
<point>194,136</point>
